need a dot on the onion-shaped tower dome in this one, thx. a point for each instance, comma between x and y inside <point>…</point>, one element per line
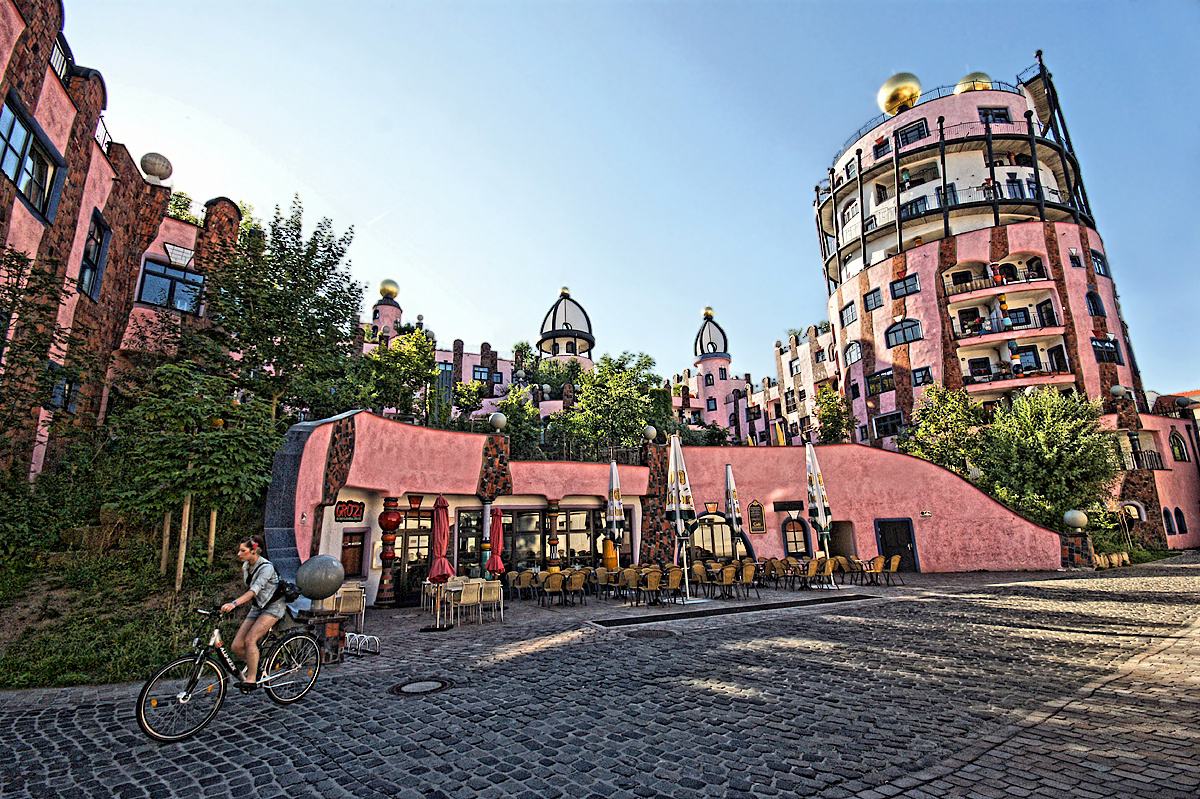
<point>567,329</point>
<point>711,340</point>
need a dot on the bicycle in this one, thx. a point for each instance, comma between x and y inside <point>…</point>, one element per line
<point>184,695</point>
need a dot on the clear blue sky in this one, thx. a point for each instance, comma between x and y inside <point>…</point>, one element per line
<point>656,157</point>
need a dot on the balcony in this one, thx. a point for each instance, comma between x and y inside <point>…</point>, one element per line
<point>1002,324</point>
<point>999,380</point>
<point>1016,278</point>
<point>1144,459</point>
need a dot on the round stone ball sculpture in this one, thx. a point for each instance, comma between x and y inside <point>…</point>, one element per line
<point>156,165</point>
<point>1075,518</point>
<point>320,577</point>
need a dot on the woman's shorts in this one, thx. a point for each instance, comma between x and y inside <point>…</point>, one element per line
<point>275,610</point>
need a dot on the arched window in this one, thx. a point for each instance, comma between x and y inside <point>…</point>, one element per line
<point>1178,448</point>
<point>1167,522</point>
<point>795,537</point>
<point>708,380</point>
<point>903,332</point>
<point>1095,304</point>
<point>1008,271</point>
<point>571,347</point>
<point>1180,522</point>
<point>853,352</point>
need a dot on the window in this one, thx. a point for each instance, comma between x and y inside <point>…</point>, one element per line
<point>1106,350</point>
<point>27,160</point>
<point>1178,448</point>
<point>881,192</point>
<point>1180,522</point>
<point>872,300</point>
<point>1094,304</point>
<point>481,373</point>
<point>850,212</point>
<point>961,278</point>
<point>95,252</point>
<point>709,380</point>
<point>794,366</point>
<point>949,198</point>
<point>789,402</point>
<point>995,116</point>
<point>853,352</point>
<point>848,314</point>
<point>851,169</point>
<point>903,332</point>
<point>805,422</point>
<point>1016,189</point>
<point>801,395</point>
<point>890,424</point>
<point>882,148</point>
<point>905,286</point>
<point>169,287</point>
<point>1019,317</point>
<point>445,381</point>
<point>1168,522</point>
<point>914,208</point>
<point>352,551</point>
<point>819,356</point>
<point>855,393</point>
<point>722,373</point>
<point>65,392</point>
<point>979,367</point>
<point>881,382</point>
<point>922,376</point>
<point>862,432</point>
<point>911,133</point>
<point>795,537</point>
<point>497,377</point>
<point>711,404</point>
<point>1076,261</point>
<point>1100,264</point>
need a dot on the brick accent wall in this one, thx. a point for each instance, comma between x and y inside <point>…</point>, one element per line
<point>1077,552</point>
<point>999,244</point>
<point>951,368</point>
<point>1054,262</point>
<point>495,479</point>
<point>658,537</point>
<point>1139,485</point>
<point>900,356</point>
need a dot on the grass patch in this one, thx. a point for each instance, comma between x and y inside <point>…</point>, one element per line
<point>1149,555</point>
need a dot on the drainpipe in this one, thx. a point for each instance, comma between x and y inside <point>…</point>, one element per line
<point>942,157</point>
<point>1037,171</point>
<point>987,128</point>
<point>896,175</point>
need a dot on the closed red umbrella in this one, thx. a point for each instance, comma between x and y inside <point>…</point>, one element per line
<point>494,564</point>
<point>440,570</point>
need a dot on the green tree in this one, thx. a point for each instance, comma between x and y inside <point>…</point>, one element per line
<point>401,371</point>
<point>524,427</point>
<point>613,401</point>
<point>835,416</point>
<point>180,207</point>
<point>468,399</point>
<point>945,429</point>
<point>284,306</point>
<point>1046,454</point>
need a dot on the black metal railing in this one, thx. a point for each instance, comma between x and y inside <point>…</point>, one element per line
<point>999,376</point>
<point>1023,276</point>
<point>1145,459</point>
<point>102,137</point>
<point>1002,324</point>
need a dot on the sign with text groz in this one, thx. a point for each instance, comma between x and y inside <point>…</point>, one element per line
<point>349,511</point>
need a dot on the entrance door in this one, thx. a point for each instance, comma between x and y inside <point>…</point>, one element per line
<point>895,537</point>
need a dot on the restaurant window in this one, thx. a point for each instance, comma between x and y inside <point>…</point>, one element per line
<point>168,287</point>
<point>881,382</point>
<point>922,376</point>
<point>911,133</point>
<point>995,116</point>
<point>853,352</point>
<point>576,531</point>
<point>903,333</point>
<point>890,424</point>
<point>872,299</point>
<point>713,538</point>
<point>905,286</point>
<point>470,542</point>
<point>848,314</point>
<point>795,538</point>
<point>95,252</point>
<point>28,160</point>
<point>1178,448</point>
<point>524,530</point>
<point>352,550</point>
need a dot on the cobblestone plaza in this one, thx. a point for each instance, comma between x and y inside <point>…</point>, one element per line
<point>987,685</point>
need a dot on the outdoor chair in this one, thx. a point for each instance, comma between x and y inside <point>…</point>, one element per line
<point>893,570</point>
<point>511,579</point>
<point>842,565</point>
<point>673,590</point>
<point>748,580</point>
<point>728,582</point>
<point>808,573</point>
<point>469,598</point>
<point>649,587</point>
<point>628,585</point>
<point>352,601</point>
<point>492,597</point>
<point>574,586</point>
<point>552,587</point>
<point>701,579</point>
<point>525,583</point>
<point>600,584</point>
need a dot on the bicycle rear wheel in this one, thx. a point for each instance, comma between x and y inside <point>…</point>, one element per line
<point>291,668</point>
<point>180,699</point>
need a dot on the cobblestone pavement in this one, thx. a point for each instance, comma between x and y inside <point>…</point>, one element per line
<point>979,685</point>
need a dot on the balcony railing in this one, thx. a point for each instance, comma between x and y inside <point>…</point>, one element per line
<point>998,376</point>
<point>1023,276</point>
<point>1145,459</point>
<point>1002,324</point>
<point>102,137</point>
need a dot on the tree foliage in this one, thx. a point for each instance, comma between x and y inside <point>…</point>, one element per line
<point>284,306</point>
<point>180,207</point>
<point>401,371</point>
<point>524,428</point>
<point>945,429</point>
<point>835,415</point>
<point>613,402</point>
<point>1046,454</point>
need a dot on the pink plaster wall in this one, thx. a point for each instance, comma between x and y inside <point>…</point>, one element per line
<point>97,186</point>
<point>55,111</point>
<point>172,231</point>
<point>551,480</point>
<point>24,230</point>
<point>11,26</point>
<point>1179,483</point>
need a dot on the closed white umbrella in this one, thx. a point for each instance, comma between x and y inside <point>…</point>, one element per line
<point>680,508</point>
<point>614,517</point>
<point>817,499</point>
<point>734,511</point>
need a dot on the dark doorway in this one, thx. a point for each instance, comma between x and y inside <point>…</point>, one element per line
<point>895,537</point>
<point>1058,358</point>
<point>1046,314</point>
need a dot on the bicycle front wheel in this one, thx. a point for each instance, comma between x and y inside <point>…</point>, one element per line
<point>180,699</point>
<point>291,668</point>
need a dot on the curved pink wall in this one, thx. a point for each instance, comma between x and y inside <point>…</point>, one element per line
<point>555,480</point>
<point>55,111</point>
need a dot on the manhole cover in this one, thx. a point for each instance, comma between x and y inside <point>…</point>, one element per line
<point>650,634</point>
<point>419,687</point>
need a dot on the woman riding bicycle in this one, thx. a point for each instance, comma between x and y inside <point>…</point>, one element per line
<point>265,607</point>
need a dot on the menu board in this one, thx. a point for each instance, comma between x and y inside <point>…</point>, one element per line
<point>758,520</point>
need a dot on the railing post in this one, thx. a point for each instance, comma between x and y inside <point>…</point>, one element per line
<point>896,174</point>
<point>991,159</point>
<point>1037,171</point>
<point>945,196</point>
<point>862,207</point>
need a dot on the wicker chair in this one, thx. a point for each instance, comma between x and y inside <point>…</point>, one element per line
<point>749,579</point>
<point>511,579</point>
<point>701,579</point>
<point>525,584</point>
<point>492,597</point>
<point>728,583</point>
<point>600,583</point>
<point>552,587</point>
<point>893,570</point>
<point>673,590</point>
<point>649,587</point>
<point>627,583</point>
<point>574,586</point>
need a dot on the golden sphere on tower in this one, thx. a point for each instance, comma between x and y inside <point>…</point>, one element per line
<point>389,289</point>
<point>973,82</point>
<point>564,292</point>
<point>708,312</point>
<point>898,93</point>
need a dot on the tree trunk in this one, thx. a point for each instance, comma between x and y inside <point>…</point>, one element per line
<point>212,533</point>
<point>166,544</point>
<point>183,538</point>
